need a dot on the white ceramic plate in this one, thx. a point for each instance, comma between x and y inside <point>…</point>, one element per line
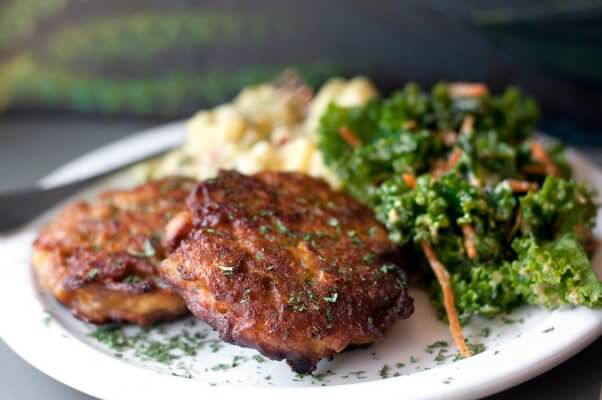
<point>518,346</point>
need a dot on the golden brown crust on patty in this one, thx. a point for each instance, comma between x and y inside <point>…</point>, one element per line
<point>282,263</point>
<point>99,258</point>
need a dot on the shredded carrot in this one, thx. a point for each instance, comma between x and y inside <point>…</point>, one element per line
<point>448,298</point>
<point>409,180</point>
<point>454,158</point>
<point>448,165</point>
<point>521,186</point>
<point>467,125</point>
<point>465,89</point>
<point>540,154</point>
<point>350,137</point>
<point>469,240</point>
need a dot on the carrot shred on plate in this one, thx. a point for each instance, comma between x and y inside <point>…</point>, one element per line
<point>409,180</point>
<point>521,186</point>
<point>466,89</point>
<point>541,155</point>
<point>454,157</point>
<point>469,240</point>
<point>445,166</point>
<point>350,137</point>
<point>467,125</point>
<point>448,298</point>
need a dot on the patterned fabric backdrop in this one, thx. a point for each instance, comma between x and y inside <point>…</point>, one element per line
<point>158,58</point>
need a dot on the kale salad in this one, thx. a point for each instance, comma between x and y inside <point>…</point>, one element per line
<point>488,216</point>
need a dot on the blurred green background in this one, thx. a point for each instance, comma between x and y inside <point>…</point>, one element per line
<point>167,59</point>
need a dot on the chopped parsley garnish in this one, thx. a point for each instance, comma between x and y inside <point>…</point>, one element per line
<point>384,371</point>
<point>322,375</point>
<point>438,344</point>
<point>475,348</point>
<point>332,298</point>
<point>368,258</point>
<point>510,321</point>
<point>358,374</point>
<point>386,268</point>
<point>259,358</point>
<point>485,332</point>
<point>280,226</point>
<point>162,350</point>
<point>441,356</point>
<point>237,360</point>
<point>221,367</point>
<point>263,229</point>
<point>92,274</point>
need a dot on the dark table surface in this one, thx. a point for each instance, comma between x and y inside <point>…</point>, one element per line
<point>32,146</point>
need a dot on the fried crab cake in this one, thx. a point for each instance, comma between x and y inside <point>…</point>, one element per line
<point>100,258</point>
<point>282,263</point>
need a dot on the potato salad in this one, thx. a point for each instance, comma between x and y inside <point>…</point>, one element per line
<point>265,127</point>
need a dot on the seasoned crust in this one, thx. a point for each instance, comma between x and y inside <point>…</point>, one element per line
<point>282,263</point>
<point>99,258</point>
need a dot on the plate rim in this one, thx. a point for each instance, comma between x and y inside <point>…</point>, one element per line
<point>584,326</point>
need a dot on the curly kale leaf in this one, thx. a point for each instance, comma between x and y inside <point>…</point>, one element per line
<point>396,209</point>
<point>486,290</point>
<point>512,115</point>
<point>409,105</point>
<point>561,206</point>
<point>362,121</point>
<point>548,275</point>
<point>555,273</point>
<point>405,131</point>
<point>435,209</point>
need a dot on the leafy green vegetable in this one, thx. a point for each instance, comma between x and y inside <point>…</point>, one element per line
<point>560,207</point>
<point>555,273</point>
<point>416,133</point>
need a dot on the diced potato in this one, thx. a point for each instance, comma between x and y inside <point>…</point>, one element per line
<point>264,128</point>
